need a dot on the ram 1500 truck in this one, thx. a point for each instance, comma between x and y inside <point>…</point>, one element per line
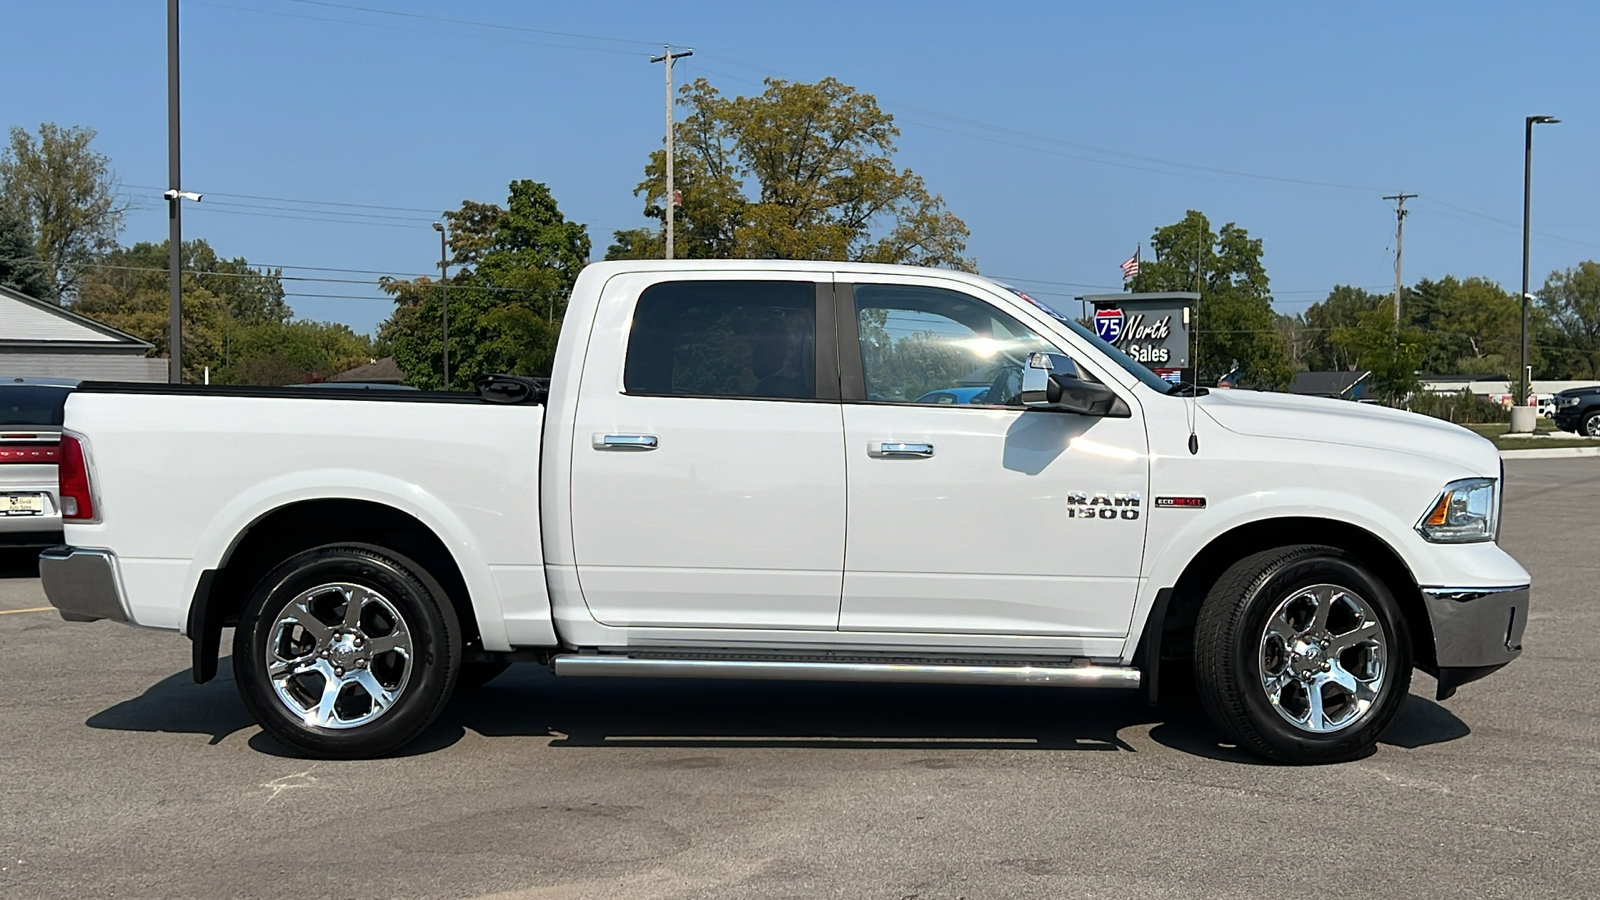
<point>776,470</point>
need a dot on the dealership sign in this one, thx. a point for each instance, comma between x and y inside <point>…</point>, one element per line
<point>1151,328</point>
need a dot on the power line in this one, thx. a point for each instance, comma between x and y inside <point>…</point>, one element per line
<point>495,25</point>
<point>429,32</point>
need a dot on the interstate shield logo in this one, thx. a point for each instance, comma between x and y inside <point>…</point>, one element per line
<point>1108,324</point>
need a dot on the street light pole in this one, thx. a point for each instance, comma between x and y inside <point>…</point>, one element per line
<point>174,208</point>
<point>444,299</point>
<point>1527,198</point>
<point>667,56</point>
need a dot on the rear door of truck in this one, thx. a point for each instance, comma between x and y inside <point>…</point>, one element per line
<point>708,475</point>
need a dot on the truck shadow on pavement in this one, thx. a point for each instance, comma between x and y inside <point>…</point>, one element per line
<point>19,562</point>
<point>575,712</point>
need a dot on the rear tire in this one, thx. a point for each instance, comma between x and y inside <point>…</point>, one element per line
<point>345,652</point>
<point>1302,655</point>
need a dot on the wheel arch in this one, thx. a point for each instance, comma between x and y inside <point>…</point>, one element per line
<point>282,532</point>
<point>1169,632</point>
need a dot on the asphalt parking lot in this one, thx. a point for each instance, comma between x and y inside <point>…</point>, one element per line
<point>119,777</point>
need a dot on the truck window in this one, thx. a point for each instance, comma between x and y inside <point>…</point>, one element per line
<point>753,339</point>
<point>28,404</point>
<point>929,345</point>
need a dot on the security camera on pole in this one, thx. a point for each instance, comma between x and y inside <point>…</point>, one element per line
<point>671,199</point>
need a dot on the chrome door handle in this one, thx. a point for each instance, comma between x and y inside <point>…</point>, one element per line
<point>900,450</point>
<point>625,442</point>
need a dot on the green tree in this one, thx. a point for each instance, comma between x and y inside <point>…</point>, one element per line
<point>1234,322</point>
<point>1570,303</point>
<point>127,290</point>
<point>1473,327</point>
<point>270,352</point>
<point>1391,354</point>
<point>1342,308</point>
<point>20,268</point>
<point>66,195</point>
<point>517,265</point>
<point>800,171</point>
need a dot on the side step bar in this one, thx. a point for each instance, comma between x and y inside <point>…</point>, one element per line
<point>855,670</point>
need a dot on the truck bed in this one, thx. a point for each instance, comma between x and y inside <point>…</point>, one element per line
<point>184,471</point>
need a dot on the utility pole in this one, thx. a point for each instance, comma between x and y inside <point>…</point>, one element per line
<point>1399,239</point>
<point>174,207</point>
<point>444,299</point>
<point>667,56</point>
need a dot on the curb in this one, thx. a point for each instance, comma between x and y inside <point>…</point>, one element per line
<point>1550,453</point>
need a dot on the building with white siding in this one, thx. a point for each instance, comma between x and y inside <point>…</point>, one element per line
<point>41,339</point>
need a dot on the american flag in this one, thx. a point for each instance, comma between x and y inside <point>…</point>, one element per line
<point>1130,267</point>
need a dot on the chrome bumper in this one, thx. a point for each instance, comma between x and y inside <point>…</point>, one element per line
<point>1475,631</point>
<point>82,584</point>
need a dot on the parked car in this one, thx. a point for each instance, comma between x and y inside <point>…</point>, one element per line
<point>30,436</point>
<point>707,491</point>
<point>1578,410</point>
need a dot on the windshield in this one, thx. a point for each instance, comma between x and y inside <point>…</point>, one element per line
<point>1136,369</point>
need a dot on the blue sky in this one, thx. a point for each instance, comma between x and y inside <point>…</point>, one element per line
<point>1063,133</point>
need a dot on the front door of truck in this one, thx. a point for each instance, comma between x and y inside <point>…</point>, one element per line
<point>708,461</point>
<point>968,514</point>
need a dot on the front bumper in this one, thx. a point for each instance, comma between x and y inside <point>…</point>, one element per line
<point>82,584</point>
<point>1475,631</point>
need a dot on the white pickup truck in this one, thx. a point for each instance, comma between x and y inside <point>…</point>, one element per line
<point>791,470</point>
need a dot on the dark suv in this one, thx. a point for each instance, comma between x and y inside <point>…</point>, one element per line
<point>1578,410</point>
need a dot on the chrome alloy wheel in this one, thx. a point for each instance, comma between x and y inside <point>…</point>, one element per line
<point>1323,658</point>
<point>339,655</point>
<point>1591,426</point>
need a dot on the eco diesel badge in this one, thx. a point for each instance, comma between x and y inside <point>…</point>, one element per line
<point>1180,503</point>
<point>1102,505</point>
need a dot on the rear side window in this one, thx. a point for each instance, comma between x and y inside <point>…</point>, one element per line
<point>28,404</point>
<point>754,339</point>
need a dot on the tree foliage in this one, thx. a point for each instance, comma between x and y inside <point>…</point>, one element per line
<point>1473,327</point>
<point>1342,309</point>
<point>800,171</point>
<point>517,266</point>
<point>66,196</point>
<point>1234,322</point>
<point>1570,303</point>
<point>235,320</point>
<point>1392,354</point>
<point>20,267</point>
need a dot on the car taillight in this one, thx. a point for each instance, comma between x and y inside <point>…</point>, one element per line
<point>77,503</point>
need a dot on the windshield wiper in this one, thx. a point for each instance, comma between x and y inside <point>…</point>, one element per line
<point>1185,389</point>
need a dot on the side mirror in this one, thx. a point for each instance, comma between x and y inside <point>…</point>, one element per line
<point>1051,381</point>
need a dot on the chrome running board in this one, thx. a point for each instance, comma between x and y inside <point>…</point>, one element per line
<point>855,669</point>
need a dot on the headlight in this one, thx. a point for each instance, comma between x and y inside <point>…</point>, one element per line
<point>1466,511</point>
<point>1564,402</point>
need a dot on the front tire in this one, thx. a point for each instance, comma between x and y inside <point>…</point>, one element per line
<point>345,652</point>
<point>1302,655</point>
<point>1591,425</point>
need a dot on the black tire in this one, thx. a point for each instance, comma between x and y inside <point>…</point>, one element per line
<point>429,624</point>
<point>1590,426</point>
<point>477,673</point>
<point>1229,653</point>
